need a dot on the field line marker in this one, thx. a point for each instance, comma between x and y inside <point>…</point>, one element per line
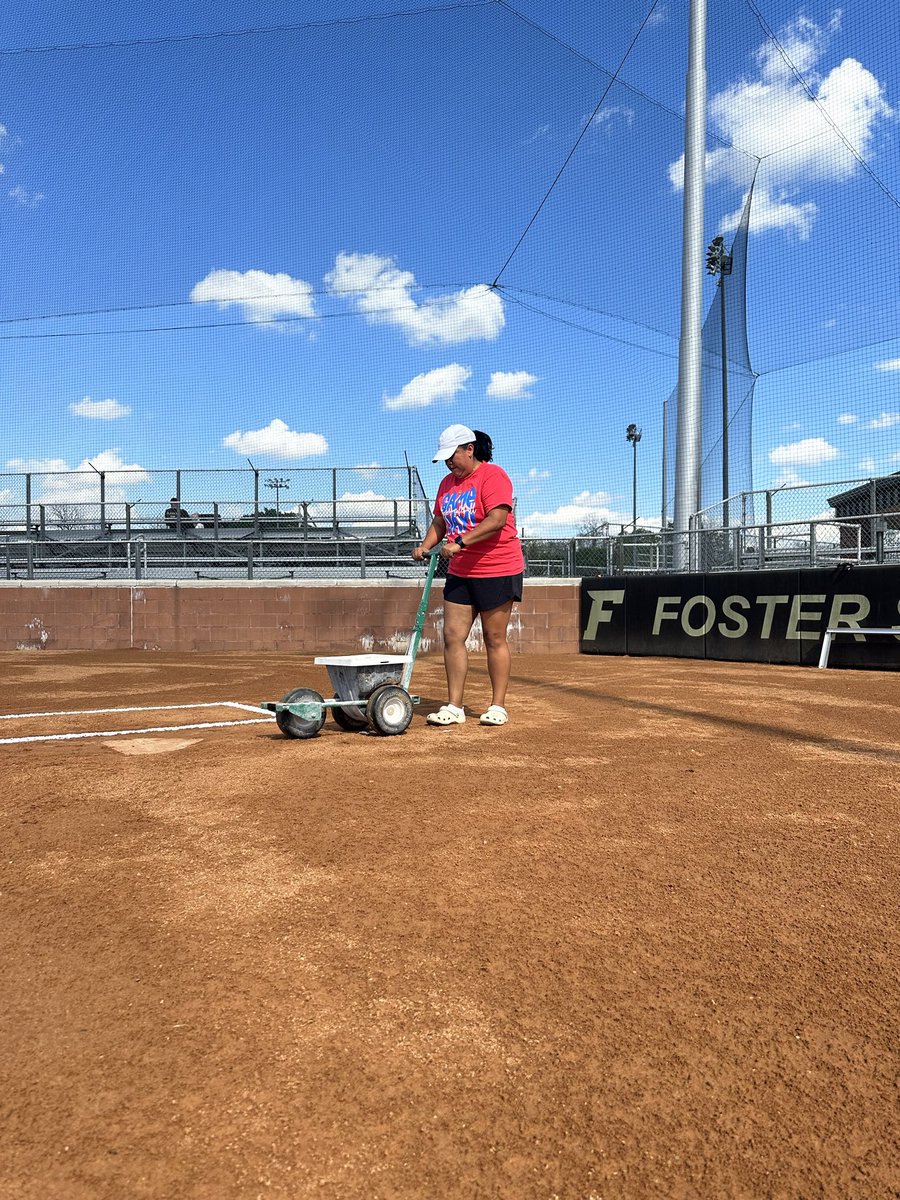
<point>93,712</point>
<point>65,737</point>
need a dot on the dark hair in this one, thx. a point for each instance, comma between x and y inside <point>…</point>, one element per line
<point>484,447</point>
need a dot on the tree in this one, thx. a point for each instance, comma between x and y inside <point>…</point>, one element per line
<point>593,527</point>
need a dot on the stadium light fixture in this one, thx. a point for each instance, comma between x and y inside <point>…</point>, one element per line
<point>277,483</point>
<point>633,435</point>
<point>719,262</point>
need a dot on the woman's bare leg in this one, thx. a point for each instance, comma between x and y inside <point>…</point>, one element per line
<point>494,624</point>
<point>458,620</point>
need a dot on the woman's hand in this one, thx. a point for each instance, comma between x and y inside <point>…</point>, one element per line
<point>449,549</point>
<point>419,553</point>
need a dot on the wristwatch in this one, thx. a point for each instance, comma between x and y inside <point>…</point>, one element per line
<point>459,541</point>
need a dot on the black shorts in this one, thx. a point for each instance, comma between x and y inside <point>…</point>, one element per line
<point>482,594</point>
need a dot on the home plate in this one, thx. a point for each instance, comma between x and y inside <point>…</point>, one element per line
<point>143,745</point>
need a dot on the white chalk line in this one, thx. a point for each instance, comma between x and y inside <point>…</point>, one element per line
<point>93,712</point>
<point>66,737</point>
<point>90,712</point>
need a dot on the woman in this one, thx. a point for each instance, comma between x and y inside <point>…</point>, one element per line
<point>473,518</point>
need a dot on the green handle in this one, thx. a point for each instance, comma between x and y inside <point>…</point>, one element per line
<point>416,636</point>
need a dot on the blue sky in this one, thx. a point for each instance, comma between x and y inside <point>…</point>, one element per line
<point>338,198</point>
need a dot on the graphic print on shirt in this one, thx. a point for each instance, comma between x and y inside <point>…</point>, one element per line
<point>458,511</point>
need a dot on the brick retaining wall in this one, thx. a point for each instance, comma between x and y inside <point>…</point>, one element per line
<point>343,617</point>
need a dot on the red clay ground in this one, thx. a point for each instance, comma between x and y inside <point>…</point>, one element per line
<point>640,943</point>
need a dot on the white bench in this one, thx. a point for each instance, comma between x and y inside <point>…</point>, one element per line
<point>830,633</point>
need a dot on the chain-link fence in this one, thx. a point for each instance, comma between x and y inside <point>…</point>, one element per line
<point>336,534</point>
<point>853,520</point>
<point>311,502</point>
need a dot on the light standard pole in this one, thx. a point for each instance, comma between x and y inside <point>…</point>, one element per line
<point>277,482</point>
<point>633,435</point>
<point>719,262</point>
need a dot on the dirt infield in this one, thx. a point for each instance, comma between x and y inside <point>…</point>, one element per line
<point>639,943</point>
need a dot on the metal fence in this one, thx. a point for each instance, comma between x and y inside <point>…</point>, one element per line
<point>310,501</point>
<point>371,536</point>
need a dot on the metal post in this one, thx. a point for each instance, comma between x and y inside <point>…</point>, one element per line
<point>29,560</point>
<point>879,540</point>
<point>216,520</point>
<point>634,488</point>
<point>812,543</point>
<point>102,502</point>
<point>362,558</point>
<point>725,485</point>
<point>334,520</point>
<point>178,500</point>
<point>250,560</point>
<point>873,509</point>
<point>665,468</point>
<point>42,509</point>
<point>127,522</point>
<point>28,504</point>
<point>396,521</point>
<point>690,352</point>
<point>768,519</point>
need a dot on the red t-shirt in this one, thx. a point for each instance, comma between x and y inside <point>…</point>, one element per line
<point>465,504</point>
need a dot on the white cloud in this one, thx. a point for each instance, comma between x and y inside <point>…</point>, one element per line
<point>538,473</point>
<point>788,479</point>
<point>367,470</point>
<point>888,364</point>
<point>366,506</point>
<point>511,385</point>
<point>774,211</point>
<point>99,410</point>
<point>847,418</point>
<point>539,134</point>
<point>443,383</point>
<point>807,453</point>
<point>35,465</point>
<point>772,112</point>
<point>866,465</point>
<point>611,115</point>
<point>383,293</point>
<point>658,16</point>
<point>261,296</point>
<point>887,420</point>
<point>276,440</point>
<point>57,484</point>
<point>564,521</point>
<point>23,197</point>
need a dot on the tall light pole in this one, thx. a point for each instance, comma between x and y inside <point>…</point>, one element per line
<point>690,349</point>
<point>277,482</point>
<point>719,262</point>
<point>633,435</point>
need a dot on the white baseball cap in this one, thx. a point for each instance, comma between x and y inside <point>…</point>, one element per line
<point>453,436</point>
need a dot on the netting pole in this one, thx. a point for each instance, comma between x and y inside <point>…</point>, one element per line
<point>725,515</point>
<point>690,350</point>
<point>665,467</point>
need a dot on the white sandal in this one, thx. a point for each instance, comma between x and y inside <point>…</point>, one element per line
<point>495,715</point>
<point>445,715</point>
